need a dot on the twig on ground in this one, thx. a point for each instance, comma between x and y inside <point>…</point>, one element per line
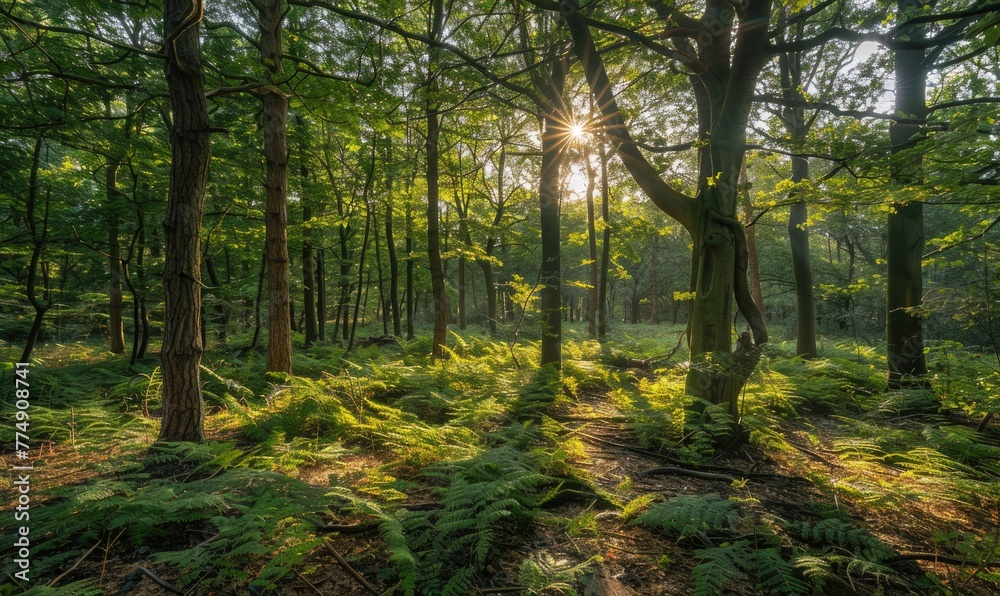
<point>160,582</point>
<point>308,583</point>
<point>347,567</point>
<point>52,583</point>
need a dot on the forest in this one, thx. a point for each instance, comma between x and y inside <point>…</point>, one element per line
<point>538,297</point>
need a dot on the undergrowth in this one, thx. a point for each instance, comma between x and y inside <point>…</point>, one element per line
<point>456,460</point>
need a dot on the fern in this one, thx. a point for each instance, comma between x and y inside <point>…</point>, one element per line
<point>841,534</point>
<point>687,515</point>
<point>717,567</point>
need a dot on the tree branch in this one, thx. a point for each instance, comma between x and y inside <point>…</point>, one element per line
<point>671,201</point>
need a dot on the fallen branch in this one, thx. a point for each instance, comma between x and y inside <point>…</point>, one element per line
<point>308,583</point>
<point>936,558</point>
<point>663,471</point>
<point>347,567</point>
<point>52,583</point>
<point>166,586</point>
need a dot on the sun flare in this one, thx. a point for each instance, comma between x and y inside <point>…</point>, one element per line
<point>577,132</point>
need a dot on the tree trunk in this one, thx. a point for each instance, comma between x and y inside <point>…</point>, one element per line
<point>592,292</point>
<point>221,318</point>
<point>731,60</point>
<point>381,281</point>
<point>308,279</point>
<point>410,331</point>
<point>38,239</point>
<point>654,281</point>
<point>183,410</point>
<point>275,107</point>
<point>361,278</point>
<point>116,319</point>
<point>320,282</point>
<point>390,244</point>
<point>602,286</point>
<point>440,333</point>
<point>798,235</point>
<point>259,299</point>
<point>554,135</point>
<point>904,328</point>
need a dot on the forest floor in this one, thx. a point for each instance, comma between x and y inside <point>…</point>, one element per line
<point>380,472</point>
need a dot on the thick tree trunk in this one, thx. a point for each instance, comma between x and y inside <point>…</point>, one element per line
<point>308,279</point>
<point>275,102</point>
<point>730,61</point>
<point>116,319</point>
<point>904,328</point>
<point>183,409</point>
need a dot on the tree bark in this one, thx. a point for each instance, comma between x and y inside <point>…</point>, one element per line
<point>320,282</point>
<point>723,80</point>
<point>602,286</point>
<point>275,108</point>
<point>592,245</point>
<point>308,279</point>
<point>361,277</point>
<point>390,244</point>
<point>554,137</point>
<point>904,328</point>
<point>410,331</point>
<point>183,409</point>
<point>654,281</point>
<point>38,240</point>
<point>440,332</point>
<point>798,235</point>
<point>116,319</point>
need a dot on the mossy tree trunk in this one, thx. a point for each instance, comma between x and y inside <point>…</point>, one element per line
<point>725,66</point>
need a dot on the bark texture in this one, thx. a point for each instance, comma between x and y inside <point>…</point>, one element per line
<point>554,138</point>
<point>183,409</point>
<point>904,328</point>
<point>440,333</point>
<point>275,107</point>
<point>116,318</point>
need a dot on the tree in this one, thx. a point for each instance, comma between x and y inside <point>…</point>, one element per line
<point>275,107</point>
<point>440,332</point>
<point>723,75</point>
<point>183,408</point>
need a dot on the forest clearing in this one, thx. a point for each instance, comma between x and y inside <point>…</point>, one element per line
<point>529,297</point>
